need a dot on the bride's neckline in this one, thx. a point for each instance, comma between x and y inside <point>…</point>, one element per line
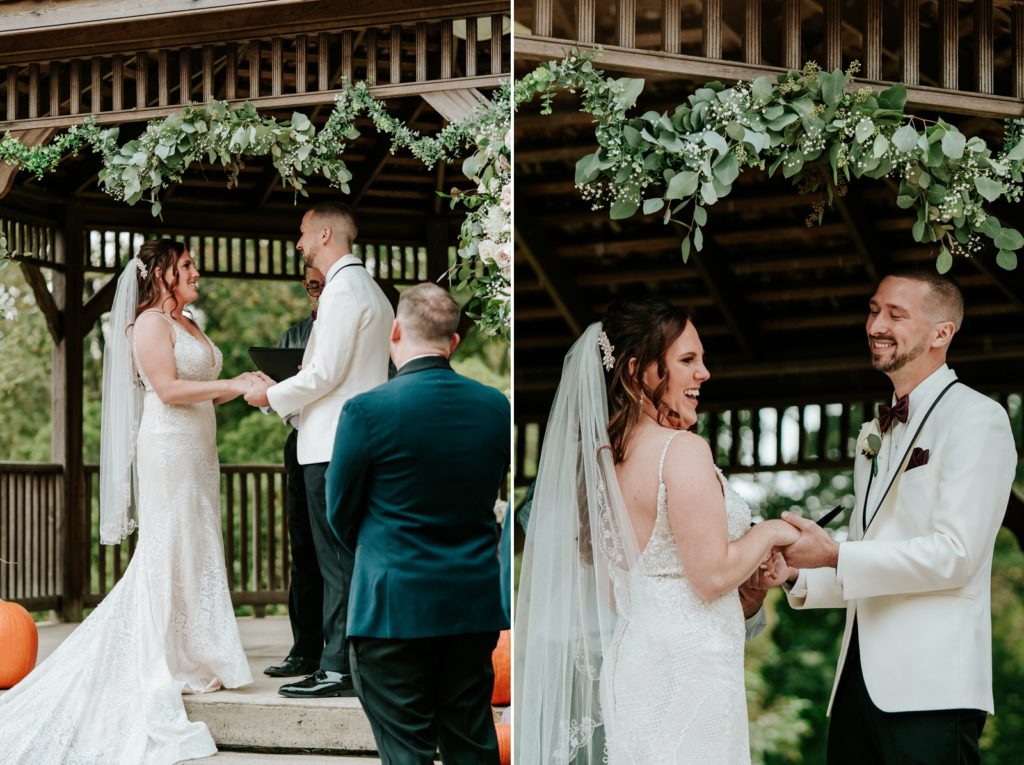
<point>177,322</point>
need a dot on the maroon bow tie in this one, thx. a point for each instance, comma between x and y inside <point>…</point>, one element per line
<point>899,411</point>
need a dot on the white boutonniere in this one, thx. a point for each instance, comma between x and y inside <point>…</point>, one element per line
<point>869,441</point>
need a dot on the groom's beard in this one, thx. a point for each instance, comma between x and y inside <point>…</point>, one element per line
<point>898,360</point>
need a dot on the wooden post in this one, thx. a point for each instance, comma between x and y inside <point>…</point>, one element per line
<point>712,32</point>
<point>791,31</point>
<point>66,441</point>
<point>985,81</point>
<point>752,33</point>
<point>911,42</point>
<point>437,246</point>
<point>873,41</point>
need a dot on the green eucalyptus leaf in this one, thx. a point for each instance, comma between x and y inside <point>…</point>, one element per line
<point>1016,153</point>
<point>953,144</point>
<point>864,130</point>
<point>715,141</point>
<point>632,135</point>
<point>698,239</point>
<point>918,231</point>
<point>652,206</point>
<point>1006,259</point>
<point>700,215</point>
<point>735,131</point>
<point>761,89</point>
<point>880,146</point>
<point>988,188</point>
<point>991,227</point>
<point>631,88</point>
<point>682,185</point>
<point>708,193</point>
<point>894,97</point>
<point>685,249</point>
<point>944,261</point>
<point>727,168</point>
<point>624,208</point>
<point>904,202</point>
<point>905,139</point>
<point>1008,239</point>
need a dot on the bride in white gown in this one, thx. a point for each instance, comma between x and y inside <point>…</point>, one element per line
<point>111,693</point>
<point>629,626</point>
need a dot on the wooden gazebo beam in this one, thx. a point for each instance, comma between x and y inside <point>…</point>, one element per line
<point>660,65</point>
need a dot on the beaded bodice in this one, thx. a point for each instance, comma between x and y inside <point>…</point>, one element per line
<point>195,359</point>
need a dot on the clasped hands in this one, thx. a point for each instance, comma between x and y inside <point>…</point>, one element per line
<point>253,385</point>
<point>812,547</point>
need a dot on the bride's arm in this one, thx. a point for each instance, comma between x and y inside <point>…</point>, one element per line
<point>696,510</point>
<point>154,342</point>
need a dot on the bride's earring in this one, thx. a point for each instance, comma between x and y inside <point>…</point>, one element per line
<point>641,400</point>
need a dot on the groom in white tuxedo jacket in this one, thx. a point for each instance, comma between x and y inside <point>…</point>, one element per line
<point>347,354</point>
<point>932,479</point>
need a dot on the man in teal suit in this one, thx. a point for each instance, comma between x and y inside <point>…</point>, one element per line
<point>417,465</point>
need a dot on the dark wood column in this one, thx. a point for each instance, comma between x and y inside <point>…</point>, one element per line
<point>437,246</point>
<point>66,443</point>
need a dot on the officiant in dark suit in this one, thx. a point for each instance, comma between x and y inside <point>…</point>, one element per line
<point>417,465</point>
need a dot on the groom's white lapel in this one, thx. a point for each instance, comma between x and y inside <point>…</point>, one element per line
<point>923,401</point>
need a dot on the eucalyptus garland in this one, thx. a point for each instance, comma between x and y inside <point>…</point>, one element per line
<point>218,133</point>
<point>810,125</point>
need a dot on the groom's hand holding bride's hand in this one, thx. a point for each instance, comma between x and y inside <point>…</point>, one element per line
<point>814,548</point>
<point>257,393</point>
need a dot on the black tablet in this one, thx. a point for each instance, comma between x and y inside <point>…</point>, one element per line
<point>277,363</point>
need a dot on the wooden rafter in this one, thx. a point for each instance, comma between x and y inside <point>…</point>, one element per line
<point>44,299</point>
<point>728,297</point>
<point>532,247</point>
<point>861,228</point>
<point>374,162</point>
<point>98,305</point>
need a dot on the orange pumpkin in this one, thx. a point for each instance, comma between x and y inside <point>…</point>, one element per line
<point>504,731</point>
<point>19,644</point>
<point>502,661</point>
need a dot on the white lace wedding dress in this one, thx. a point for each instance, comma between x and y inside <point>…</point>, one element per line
<point>672,688</point>
<point>111,693</point>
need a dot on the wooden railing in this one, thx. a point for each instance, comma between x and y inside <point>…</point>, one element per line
<point>31,509</point>
<point>275,71</point>
<point>255,527</point>
<point>936,47</point>
<point>772,439</point>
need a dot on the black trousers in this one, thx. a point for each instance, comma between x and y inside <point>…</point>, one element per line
<point>861,734</point>
<point>336,569</point>
<point>428,694</point>
<point>306,589</point>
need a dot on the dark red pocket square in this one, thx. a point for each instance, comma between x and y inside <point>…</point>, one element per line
<point>918,457</point>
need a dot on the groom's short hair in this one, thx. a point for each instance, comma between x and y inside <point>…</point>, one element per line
<point>428,312</point>
<point>338,216</point>
<point>945,300</point>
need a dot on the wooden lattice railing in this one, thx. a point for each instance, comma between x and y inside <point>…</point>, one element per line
<point>31,509</point>
<point>255,527</point>
<point>772,439</point>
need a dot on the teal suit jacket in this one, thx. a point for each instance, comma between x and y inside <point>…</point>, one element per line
<point>417,465</point>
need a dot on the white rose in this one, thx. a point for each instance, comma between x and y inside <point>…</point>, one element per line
<point>487,251</point>
<point>863,438</point>
<point>506,197</point>
<point>508,140</point>
<point>502,256</point>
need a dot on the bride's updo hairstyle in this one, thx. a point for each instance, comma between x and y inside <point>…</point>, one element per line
<point>640,331</point>
<point>157,255</point>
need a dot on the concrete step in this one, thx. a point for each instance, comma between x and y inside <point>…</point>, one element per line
<point>256,717</point>
<point>260,758</point>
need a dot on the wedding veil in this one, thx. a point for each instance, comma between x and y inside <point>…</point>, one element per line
<point>579,549</point>
<point>121,405</point>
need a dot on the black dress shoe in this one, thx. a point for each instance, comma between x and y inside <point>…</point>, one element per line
<point>293,666</point>
<point>318,686</point>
